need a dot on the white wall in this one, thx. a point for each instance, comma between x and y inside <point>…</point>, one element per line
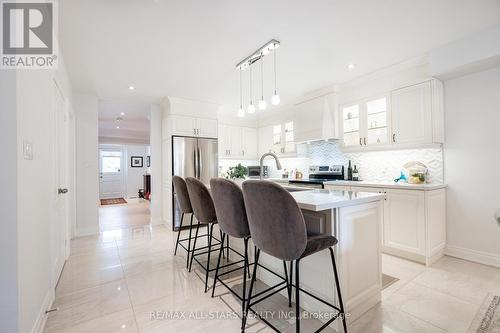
<point>472,162</point>
<point>36,192</point>
<point>134,176</point>
<point>8,204</point>
<point>87,164</point>
<point>156,169</point>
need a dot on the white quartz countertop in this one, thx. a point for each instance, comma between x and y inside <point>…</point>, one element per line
<point>393,185</point>
<point>317,200</point>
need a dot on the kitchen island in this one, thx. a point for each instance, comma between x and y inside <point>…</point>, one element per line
<point>354,218</point>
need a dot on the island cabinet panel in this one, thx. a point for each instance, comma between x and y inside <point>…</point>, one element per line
<point>359,254</point>
<point>404,221</point>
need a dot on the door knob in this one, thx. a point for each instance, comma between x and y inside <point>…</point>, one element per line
<point>62,190</point>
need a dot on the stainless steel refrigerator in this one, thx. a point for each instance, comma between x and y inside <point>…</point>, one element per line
<point>193,157</point>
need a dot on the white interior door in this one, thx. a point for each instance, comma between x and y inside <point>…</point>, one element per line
<point>60,227</point>
<point>111,165</point>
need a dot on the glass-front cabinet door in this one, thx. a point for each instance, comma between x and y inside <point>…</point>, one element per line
<point>351,125</point>
<point>366,123</point>
<point>376,121</point>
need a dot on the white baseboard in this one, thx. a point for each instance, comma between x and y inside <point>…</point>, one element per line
<point>41,319</point>
<point>87,232</point>
<point>485,258</point>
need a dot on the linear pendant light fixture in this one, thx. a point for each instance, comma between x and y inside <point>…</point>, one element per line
<point>259,54</point>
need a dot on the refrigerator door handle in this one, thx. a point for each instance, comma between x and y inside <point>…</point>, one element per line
<point>199,162</point>
<point>195,163</point>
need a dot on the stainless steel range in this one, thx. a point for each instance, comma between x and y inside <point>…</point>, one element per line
<point>318,174</point>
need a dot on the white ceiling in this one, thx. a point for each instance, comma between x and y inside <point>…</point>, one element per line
<point>133,127</point>
<point>189,48</point>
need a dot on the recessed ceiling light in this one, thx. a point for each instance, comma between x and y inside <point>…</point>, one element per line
<point>131,87</point>
<point>122,113</point>
<point>351,66</point>
<point>117,127</point>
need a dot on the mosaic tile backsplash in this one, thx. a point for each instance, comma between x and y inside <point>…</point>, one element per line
<point>377,166</point>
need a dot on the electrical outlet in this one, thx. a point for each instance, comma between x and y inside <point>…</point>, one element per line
<point>27,150</point>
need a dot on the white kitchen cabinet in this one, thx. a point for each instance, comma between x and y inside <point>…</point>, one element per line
<point>249,144</point>
<point>237,142</point>
<point>265,140</point>
<point>283,139</point>
<point>366,123</point>
<point>417,114</point>
<point>192,126</point>
<point>414,221</point>
<point>412,122</point>
<point>207,128</point>
<point>315,119</point>
<point>411,116</point>
<point>404,221</point>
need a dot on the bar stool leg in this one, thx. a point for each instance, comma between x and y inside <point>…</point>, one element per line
<point>245,263</point>
<point>218,262</point>
<point>209,251</point>
<point>337,284</point>
<point>288,283</point>
<point>254,276</point>
<point>178,234</point>
<point>189,241</point>
<point>297,297</point>
<point>194,245</point>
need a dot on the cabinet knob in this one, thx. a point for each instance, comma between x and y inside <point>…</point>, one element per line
<point>364,140</point>
<point>394,137</point>
<point>360,141</point>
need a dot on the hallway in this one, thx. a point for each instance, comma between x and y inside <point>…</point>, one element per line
<point>135,213</point>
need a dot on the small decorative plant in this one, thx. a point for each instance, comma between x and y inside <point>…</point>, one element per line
<point>237,172</point>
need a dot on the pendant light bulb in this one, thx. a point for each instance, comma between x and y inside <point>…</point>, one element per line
<point>275,99</point>
<point>251,108</point>
<point>241,113</point>
<point>262,104</point>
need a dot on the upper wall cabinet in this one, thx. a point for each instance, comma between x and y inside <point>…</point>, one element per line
<point>314,119</point>
<point>408,117</point>
<point>237,142</point>
<point>191,126</point>
<point>417,115</point>
<point>366,123</point>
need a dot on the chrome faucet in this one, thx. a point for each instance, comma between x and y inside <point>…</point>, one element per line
<point>278,164</point>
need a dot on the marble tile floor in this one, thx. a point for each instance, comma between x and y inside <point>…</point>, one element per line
<point>127,280</point>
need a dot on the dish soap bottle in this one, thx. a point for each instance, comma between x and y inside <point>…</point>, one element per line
<point>355,174</point>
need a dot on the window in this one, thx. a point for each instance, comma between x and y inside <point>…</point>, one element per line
<point>111,161</point>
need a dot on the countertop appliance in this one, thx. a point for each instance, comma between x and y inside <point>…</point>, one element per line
<point>192,157</point>
<point>254,171</point>
<point>318,174</point>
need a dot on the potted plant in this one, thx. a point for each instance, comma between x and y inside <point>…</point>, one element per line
<point>237,173</point>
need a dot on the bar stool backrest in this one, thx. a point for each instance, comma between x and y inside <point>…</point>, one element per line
<point>180,189</point>
<point>203,205</point>
<point>230,207</point>
<point>276,223</point>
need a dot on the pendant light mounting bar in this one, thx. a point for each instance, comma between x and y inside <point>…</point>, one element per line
<point>258,54</point>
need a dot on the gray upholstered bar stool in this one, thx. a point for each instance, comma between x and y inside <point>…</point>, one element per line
<point>182,195</point>
<point>232,220</point>
<point>204,211</point>
<point>278,229</point>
